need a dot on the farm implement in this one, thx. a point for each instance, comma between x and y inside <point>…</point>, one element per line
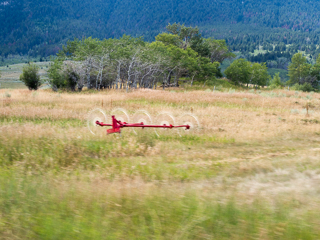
<point>119,119</point>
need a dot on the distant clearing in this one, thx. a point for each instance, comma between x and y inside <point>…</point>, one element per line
<point>10,75</point>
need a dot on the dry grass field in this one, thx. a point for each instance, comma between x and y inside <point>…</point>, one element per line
<point>250,172</point>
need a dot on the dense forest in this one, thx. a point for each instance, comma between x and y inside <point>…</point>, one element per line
<point>280,28</point>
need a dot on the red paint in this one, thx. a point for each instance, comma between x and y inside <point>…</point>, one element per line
<point>117,125</point>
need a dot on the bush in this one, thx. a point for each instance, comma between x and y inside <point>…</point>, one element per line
<point>219,82</point>
<point>306,87</point>
<point>56,76</point>
<point>72,79</point>
<point>30,76</point>
<point>276,82</point>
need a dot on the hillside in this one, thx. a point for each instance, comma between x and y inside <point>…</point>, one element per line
<point>38,27</point>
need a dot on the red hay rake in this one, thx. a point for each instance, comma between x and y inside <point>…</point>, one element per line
<point>119,119</point>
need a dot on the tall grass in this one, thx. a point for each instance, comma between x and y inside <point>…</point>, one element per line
<point>251,172</point>
<point>37,208</point>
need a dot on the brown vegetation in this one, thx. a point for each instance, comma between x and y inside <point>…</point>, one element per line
<point>254,147</point>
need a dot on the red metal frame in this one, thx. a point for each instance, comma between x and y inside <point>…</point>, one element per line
<point>117,125</point>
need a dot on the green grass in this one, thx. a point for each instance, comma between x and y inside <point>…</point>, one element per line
<point>113,188</point>
<point>17,59</point>
<point>59,182</point>
<point>218,83</point>
<point>63,123</point>
<point>36,208</point>
<point>76,189</point>
<point>122,156</point>
<point>10,75</point>
<point>12,85</point>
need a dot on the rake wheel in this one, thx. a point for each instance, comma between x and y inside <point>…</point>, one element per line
<point>96,115</point>
<point>162,119</point>
<point>191,120</point>
<point>141,116</point>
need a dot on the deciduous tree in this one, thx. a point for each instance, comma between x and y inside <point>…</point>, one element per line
<point>276,82</point>
<point>30,76</point>
<point>259,74</point>
<point>298,69</point>
<point>218,50</point>
<point>239,71</point>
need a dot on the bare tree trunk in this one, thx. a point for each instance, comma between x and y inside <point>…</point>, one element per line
<point>176,79</point>
<point>169,78</point>
<point>99,79</point>
<point>204,83</point>
<point>127,87</point>
<point>118,74</point>
<point>129,73</point>
<point>88,74</point>
<point>192,79</point>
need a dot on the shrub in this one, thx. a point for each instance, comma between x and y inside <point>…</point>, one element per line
<point>7,95</point>
<point>72,79</point>
<point>56,75</point>
<point>30,76</point>
<point>276,82</point>
<point>306,87</point>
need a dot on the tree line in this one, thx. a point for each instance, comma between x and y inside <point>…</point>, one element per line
<point>179,53</point>
<point>130,62</point>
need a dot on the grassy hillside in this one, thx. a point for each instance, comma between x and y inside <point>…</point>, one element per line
<point>250,172</point>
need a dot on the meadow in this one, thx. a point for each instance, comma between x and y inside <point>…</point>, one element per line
<point>250,172</point>
<point>10,75</point>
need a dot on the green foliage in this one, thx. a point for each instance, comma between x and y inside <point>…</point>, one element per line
<point>215,50</point>
<point>242,71</point>
<point>306,87</point>
<point>168,39</point>
<point>303,73</point>
<point>130,62</point>
<point>276,82</point>
<point>30,76</point>
<point>185,34</point>
<point>259,74</point>
<point>283,74</point>
<point>56,76</point>
<point>72,78</point>
<point>279,27</point>
<point>219,84</point>
<point>218,50</point>
<point>298,69</point>
<point>239,71</point>
<point>199,44</point>
<point>315,72</point>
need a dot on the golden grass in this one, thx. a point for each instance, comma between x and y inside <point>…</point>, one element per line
<point>248,119</point>
<point>242,116</point>
<point>252,147</point>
